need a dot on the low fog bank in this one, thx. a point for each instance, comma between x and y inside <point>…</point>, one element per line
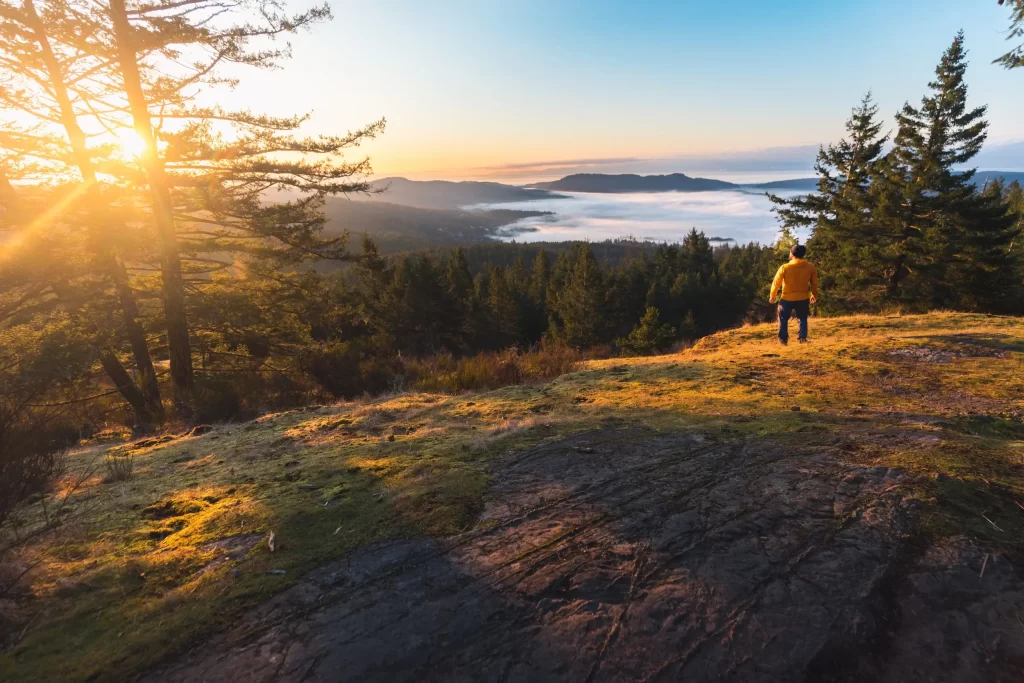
<point>657,216</point>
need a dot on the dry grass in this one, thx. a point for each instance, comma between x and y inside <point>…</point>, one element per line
<point>118,466</point>
<point>446,374</point>
<point>159,560</point>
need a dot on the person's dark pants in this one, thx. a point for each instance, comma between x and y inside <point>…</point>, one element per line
<point>787,309</point>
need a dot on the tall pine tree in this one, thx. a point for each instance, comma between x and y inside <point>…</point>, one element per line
<point>580,304</point>
<point>846,243</point>
<point>953,242</point>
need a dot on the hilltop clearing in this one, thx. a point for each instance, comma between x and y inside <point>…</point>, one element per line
<point>846,510</point>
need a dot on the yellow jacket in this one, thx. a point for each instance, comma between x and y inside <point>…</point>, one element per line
<point>797,279</point>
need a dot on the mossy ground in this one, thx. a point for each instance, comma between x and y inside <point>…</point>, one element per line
<point>144,567</point>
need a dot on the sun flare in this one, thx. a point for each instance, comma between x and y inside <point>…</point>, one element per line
<point>131,143</point>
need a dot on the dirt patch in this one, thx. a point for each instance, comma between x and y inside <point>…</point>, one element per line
<point>622,554</point>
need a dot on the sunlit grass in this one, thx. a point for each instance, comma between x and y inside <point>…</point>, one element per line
<point>147,565</point>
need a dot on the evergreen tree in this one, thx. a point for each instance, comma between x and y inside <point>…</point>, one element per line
<point>695,290</point>
<point>650,336</point>
<point>535,313</point>
<point>688,328</point>
<point>697,258</point>
<point>539,277</point>
<point>458,279</point>
<point>83,71</point>
<point>847,245</point>
<point>953,243</point>
<point>580,303</point>
<point>1015,57</point>
<point>504,308</point>
<point>459,284</point>
<point>416,312</point>
<point>627,292</point>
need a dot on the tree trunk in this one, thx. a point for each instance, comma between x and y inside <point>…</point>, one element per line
<point>10,207</point>
<point>126,385</point>
<point>112,365</point>
<point>178,341</point>
<point>897,276</point>
<point>137,337</point>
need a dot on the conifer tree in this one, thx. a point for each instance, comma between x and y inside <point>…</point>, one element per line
<point>696,256</point>
<point>202,173</point>
<point>1015,57</point>
<point>580,303</point>
<point>44,80</point>
<point>847,245</point>
<point>458,279</point>
<point>628,286</point>
<point>539,277</point>
<point>952,244</point>
<point>416,313</point>
<point>649,336</point>
<point>535,314</point>
<point>503,306</point>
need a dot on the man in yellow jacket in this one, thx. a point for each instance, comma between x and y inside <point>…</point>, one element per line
<point>798,282</point>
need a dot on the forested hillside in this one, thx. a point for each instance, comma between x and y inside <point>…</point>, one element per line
<point>445,194</point>
<point>394,227</point>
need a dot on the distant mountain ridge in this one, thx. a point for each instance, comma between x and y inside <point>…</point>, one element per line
<point>680,182</point>
<point>631,182</point>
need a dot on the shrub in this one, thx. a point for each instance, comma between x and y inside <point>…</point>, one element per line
<point>445,374</point>
<point>245,394</point>
<point>39,365</point>
<point>31,456</point>
<point>508,370</point>
<point>343,370</point>
<point>552,360</point>
<point>217,400</point>
<point>119,466</point>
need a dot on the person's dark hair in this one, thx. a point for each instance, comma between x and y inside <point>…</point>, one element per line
<point>798,250</point>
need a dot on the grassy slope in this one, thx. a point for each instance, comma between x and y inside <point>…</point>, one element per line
<point>123,586</point>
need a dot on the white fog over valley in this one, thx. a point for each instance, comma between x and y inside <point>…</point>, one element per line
<point>744,216</point>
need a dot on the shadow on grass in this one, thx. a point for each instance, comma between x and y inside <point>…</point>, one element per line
<point>623,554</point>
<point>988,512</point>
<point>995,341</point>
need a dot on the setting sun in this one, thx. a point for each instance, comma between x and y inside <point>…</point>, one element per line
<point>131,143</point>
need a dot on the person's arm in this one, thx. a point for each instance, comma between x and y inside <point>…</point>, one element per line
<point>776,284</point>
<point>814,285</point>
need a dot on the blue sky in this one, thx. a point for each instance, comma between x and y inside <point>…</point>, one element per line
<point>468,87</point>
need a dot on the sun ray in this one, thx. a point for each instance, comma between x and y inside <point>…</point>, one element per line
<point>46,217</point>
